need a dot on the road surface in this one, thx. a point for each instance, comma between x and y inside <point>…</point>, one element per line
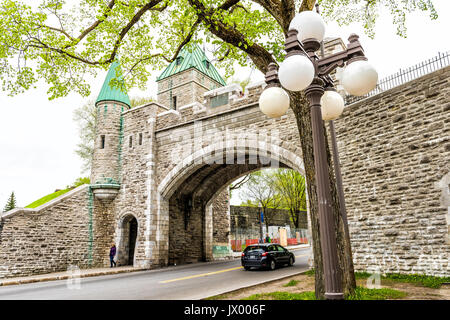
<point>191,282</point>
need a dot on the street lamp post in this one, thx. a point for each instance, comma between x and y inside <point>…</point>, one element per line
<point>301,70</point>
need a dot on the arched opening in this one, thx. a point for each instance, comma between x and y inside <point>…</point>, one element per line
<point>128,231</point>
<point>191,196</point>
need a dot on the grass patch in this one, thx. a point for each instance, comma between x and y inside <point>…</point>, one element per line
<point>362,293</point>
<point>278,295</point>
<point>418,279</point>
<point>47,198</point>
<point>310,272</point>
<point>424,280</point>
<point>291,283</point>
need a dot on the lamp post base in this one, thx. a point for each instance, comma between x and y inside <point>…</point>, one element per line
<point>334,296</point>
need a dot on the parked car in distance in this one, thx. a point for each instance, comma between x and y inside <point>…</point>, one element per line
<point>266,255</point>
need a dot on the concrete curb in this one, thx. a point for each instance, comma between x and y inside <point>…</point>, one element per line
<point>256,285</point>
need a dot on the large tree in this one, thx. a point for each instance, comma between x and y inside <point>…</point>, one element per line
<point>291,186</point>
<point>62,46</point>
<point>260,191</point>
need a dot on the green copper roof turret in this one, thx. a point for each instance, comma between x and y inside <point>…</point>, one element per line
<point>197,59</point>
<point>113,93</point>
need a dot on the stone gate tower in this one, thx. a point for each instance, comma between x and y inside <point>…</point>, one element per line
<point>186,79</point>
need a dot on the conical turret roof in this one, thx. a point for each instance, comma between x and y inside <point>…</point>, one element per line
<point>194,57</point>
<point>114,93</point>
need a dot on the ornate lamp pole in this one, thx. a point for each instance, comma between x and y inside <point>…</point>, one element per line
<point>301,70</point>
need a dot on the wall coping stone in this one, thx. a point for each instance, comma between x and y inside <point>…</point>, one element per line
<point>171,111</point>
<point>256,84</point>
<point>45,205</point>
<point>252,104</point>
<point>146,105</point>
<point>397,88</point>
<point>226,89</point>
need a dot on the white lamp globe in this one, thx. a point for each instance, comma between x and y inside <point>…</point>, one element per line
<point>332,105</point>
<point>359,78</point>
<point>274,102</point>
<point>296,72</point>
<point>309,24</point>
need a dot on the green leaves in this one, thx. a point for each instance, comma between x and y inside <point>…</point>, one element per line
<point>366,12</point>
<point>66,43</point>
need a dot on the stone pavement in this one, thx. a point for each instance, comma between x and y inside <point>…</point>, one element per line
<point>83,273</point>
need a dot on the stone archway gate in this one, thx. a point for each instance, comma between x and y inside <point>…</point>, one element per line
<point>394,150</point>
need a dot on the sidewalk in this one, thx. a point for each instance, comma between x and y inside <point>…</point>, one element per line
<point>83,273</point>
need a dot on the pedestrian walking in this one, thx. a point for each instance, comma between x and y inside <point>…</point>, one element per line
<point>267,238</point>
<point>112,254</point>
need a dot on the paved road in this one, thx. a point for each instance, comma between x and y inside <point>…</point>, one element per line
<point>190,282</point>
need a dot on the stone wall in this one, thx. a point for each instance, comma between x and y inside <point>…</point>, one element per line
<point>395,151</point>
<point>221,218</point>
<point>105,161</point>
<point>61,233</point>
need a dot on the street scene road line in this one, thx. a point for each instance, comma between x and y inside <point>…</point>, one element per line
<point>200,280</point>
<point>201,275</point>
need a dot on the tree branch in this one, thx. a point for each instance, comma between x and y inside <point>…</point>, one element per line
<point>307,5</point>
<point>260,57</point>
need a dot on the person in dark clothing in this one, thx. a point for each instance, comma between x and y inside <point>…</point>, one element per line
<point>112,254</point>
<point>267,238</point>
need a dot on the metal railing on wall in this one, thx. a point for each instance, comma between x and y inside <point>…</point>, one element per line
<point>403,76</point>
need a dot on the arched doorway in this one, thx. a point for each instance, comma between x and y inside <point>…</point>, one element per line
<point>132,240</point>
<point>128,231</point>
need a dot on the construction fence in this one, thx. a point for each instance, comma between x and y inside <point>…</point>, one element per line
<point>286,236</point>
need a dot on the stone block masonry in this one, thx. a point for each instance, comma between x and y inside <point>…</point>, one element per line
<point>395,155</point>
<point>52,237</point>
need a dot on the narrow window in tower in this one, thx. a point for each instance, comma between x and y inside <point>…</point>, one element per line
<point>140,139</point>
<point>174,102</point>
<point>102,141</point>
<point>131,141</point>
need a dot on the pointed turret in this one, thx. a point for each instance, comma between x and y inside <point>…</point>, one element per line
<point>110,92</point>
<point>106,164</point>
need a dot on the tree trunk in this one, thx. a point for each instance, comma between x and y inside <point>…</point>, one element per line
<point>300,106</point>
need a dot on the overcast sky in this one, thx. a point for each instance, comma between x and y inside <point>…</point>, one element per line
<point>38,137</point>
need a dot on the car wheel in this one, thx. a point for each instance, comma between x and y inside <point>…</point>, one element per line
<point>247,268</point>
<point>272,265</point>
<point>291,261</point>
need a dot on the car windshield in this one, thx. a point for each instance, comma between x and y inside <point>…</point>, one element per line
<point>256,248</point>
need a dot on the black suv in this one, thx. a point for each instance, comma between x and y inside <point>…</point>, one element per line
<point>266,255</point>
